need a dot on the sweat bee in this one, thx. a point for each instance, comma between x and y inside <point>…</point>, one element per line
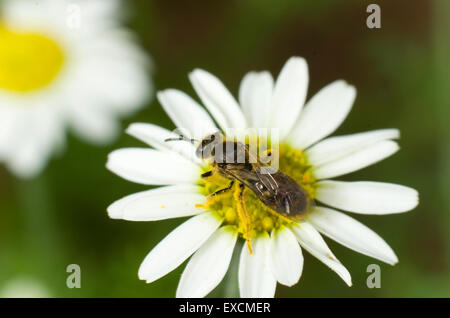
<point>233,160</point>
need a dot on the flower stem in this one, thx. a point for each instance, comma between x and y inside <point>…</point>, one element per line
<point>42,251</point>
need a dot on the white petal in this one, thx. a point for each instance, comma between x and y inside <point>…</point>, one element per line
<point>255,96</point>
<point>334,148</point>
<point>29,138</point>
<point>155,136</point>
<point>286,257</point>
<point>217,98</point>
<point>108,81</point>
<point>177,246</point>
<point>208,265</point>
<point>158,204</point>
<point>323,114</point>
<point>255,276</point>
<point>352,234</point>
<point>289,95</point>
<point>30,158</point>
<point>189,117</point>
<point>313,242</point>
<point>92,124</point>
<point>11,123</point>
<point>357,160</point>
<point>367,197</point>
<point>148,166</point>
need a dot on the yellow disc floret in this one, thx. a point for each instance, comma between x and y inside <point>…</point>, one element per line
<point>28,61</point>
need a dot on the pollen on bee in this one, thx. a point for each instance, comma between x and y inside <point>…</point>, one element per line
<point>162,206</point>
<point>249,246</point>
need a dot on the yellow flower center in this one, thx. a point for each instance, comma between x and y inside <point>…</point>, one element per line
<point>28,61</point>
<point>261,218</point>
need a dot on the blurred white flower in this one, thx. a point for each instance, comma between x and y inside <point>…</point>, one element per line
<point>64,63</point>
<point>305,154</point>
<point>24,287</point>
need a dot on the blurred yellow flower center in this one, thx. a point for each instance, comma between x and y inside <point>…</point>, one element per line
<point>261,218</point>
<point>28,61</point>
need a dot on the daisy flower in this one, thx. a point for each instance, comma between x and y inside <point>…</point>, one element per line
<point>306,154</point>
<point>64,63</point>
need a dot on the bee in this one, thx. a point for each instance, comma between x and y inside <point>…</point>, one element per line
<point>233,160</point>
<point>276,190</point>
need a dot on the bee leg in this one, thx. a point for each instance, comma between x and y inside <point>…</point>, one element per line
<point>228,188</point>
<point>243,215</point>
<point>207,174</point>
<point>209,197</point>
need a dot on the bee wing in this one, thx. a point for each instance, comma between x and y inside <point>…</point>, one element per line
<point>265,177</point>
<point>269,181</point>
<point>254,180</point>
<point>247,177</point>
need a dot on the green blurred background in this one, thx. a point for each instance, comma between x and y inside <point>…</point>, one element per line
<point>402,74</point>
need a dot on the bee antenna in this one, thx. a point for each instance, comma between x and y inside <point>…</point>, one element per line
<point>181,137</point>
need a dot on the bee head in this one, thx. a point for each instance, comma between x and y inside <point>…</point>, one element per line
<point>206,148</point>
